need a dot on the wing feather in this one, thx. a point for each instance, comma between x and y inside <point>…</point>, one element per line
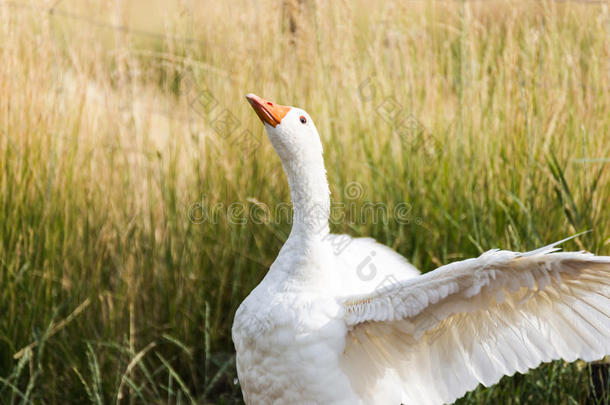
<point>432,338</point>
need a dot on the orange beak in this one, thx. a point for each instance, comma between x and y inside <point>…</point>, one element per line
<point>267,111</point>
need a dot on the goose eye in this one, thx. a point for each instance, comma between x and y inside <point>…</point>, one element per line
<point>303,119</point>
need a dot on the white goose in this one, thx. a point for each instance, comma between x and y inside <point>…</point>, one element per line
<point>360,325</point>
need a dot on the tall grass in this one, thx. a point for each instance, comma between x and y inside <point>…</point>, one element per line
<point>119,120</point>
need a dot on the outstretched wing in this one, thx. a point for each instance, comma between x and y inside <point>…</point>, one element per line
<point>430,339</point>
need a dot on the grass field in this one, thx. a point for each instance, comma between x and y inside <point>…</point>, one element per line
<point>138,191</point>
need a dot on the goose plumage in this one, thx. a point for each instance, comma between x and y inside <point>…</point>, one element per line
<point>342,320</point>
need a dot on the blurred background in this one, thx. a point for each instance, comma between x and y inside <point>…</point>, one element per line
<point>138,190</point>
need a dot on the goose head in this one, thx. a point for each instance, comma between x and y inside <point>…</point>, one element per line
<point>291,131</point>
<point>296,141</point>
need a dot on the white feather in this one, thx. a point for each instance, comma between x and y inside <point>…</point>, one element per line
<point>449,331</point>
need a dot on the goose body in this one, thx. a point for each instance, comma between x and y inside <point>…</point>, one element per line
<point>290,331</point>
<point>341,320</point>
